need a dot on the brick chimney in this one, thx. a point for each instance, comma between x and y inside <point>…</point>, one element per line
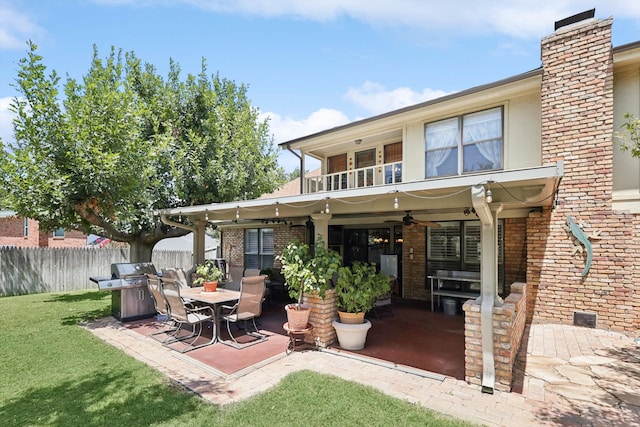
<point>577,128</point>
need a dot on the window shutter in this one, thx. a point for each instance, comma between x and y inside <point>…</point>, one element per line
<point>393,152</point>
<point>337,163</point>
<point>444,242</point>
<point>266,241</point>
<point>251,241</point>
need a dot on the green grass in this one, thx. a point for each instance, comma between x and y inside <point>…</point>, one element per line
<point>55,373</point>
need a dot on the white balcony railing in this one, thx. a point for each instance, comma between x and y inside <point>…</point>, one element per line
<point>388,173</point>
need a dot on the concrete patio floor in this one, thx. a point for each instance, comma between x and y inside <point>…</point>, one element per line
<point>565,376</point>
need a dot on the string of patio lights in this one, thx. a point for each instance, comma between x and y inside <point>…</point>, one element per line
<point>396,202</point>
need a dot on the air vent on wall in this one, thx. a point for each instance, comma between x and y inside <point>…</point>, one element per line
<point>588,320</point>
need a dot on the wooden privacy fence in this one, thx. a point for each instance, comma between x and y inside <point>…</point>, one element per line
<point>40,270</point>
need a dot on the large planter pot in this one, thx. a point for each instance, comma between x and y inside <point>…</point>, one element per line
<point>210,286</point>
<point>297,316</point>
<point>352,336</point>
<point>351,318</point>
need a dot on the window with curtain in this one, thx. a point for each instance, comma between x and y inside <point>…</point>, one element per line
<point>258,248</point>
<point>468,143</point>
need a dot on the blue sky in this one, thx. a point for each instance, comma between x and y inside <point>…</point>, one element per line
<point>309,64</point>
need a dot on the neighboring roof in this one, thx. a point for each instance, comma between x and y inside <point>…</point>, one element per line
<point>291,188</point>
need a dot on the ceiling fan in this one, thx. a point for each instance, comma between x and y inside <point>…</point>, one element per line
<point>409,221</point>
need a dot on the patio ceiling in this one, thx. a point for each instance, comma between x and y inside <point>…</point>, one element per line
<point>435,199</point>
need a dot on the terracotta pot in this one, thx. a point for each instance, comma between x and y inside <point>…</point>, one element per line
<point>351,318</point>
<point>210,286</point>
<point>297,316</point>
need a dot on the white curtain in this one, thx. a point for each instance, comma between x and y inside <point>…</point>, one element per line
<point>440,138</point>
<point>485,126</point>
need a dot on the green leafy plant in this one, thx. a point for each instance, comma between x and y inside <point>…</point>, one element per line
<point>358,287</point>
<point>305,271</point>
<point>207,272</point>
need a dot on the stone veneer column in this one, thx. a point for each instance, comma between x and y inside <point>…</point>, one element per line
<point>577,128</point>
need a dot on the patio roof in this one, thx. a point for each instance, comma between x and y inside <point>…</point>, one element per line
<point>433,199</point>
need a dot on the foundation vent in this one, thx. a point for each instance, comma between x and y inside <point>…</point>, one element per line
<point>588,320</point>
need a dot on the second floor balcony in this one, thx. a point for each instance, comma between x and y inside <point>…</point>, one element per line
<point>384,174</point>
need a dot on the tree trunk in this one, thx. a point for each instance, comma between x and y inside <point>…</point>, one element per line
<point>140,251</point>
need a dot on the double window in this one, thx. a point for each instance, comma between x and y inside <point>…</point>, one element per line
<point>469,143</point>
<point>258,248</point>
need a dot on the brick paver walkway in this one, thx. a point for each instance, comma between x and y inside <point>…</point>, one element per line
<point>566,376</point>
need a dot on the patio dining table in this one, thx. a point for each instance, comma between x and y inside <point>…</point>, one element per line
<point>214,299</point>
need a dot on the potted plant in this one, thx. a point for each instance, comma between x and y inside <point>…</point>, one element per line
<point>208,275</point>
<point>357,288</point>
<point>305,271</point>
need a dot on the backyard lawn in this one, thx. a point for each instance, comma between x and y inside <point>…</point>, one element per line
<point>55,373</point>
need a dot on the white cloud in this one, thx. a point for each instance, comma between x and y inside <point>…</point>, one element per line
<point>376,99</point>
<point>6,118</point>
<point>287,128</point>
<point>15,28</point>
<point>520,19</point>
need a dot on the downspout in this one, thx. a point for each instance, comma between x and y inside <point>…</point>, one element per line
<point>301,168</point>
<point>488,282</point>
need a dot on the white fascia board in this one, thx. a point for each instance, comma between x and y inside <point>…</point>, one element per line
<point>520,177</point>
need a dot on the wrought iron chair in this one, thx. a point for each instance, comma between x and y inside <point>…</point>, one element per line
<point>248,307</point>
<point>183,313</point>
<point>153,283</point>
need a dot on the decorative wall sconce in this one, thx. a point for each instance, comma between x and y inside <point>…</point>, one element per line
<point>358,141</point>
<point>326,206</point>
<point>395,201</point>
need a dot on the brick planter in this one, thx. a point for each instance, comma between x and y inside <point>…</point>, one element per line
<point>323,312</point>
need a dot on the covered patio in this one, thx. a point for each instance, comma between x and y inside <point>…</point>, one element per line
<point>410,338</point>
<point>490,197</point>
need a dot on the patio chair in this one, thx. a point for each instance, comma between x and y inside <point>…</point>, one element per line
<point>234,278</point>
<point>183,313</point>
<point>153,283</point>
<point>248,307</point>
<point>176,274</point>
<point>251,272</point>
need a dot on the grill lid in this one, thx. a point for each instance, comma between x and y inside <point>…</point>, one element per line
<point>123,270</point>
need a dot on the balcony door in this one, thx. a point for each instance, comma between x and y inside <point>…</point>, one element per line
<point>365,162</point>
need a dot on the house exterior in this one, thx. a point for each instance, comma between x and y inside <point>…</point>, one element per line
<point>522,177</point>
<point>25,232</point>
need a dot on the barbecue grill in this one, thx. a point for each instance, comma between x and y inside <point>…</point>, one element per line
<point>130,298</point>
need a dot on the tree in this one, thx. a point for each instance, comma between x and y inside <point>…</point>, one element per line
<point>629,139</point>
<point>125,142</point>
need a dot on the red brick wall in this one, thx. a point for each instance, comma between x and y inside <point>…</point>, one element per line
<point>233,243</point>
<point>71,239</point>
<point>12,234</point>
<point>515,251</point>
<point>577,127</point>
